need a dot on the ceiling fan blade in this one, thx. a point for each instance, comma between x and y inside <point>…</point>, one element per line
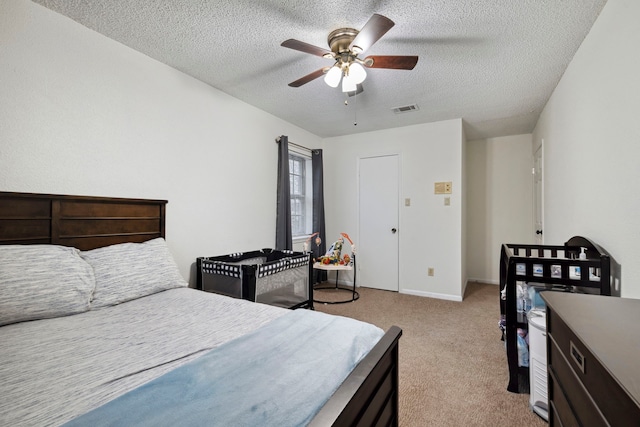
<point>306,47</point>
<point>391,61</point>
<point>376,27</point>
<point>309,77</point>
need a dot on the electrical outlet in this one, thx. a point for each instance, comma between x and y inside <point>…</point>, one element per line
<point>430,271</point>
<point>447,201</point>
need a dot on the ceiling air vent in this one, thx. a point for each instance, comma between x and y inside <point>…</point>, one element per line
<point>405,109</point>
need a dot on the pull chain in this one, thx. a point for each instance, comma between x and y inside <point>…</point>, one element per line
<point>355,108</point>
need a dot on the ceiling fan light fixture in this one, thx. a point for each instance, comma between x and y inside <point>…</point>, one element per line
<point>332,78</point>
<point>348,84</point>
<point>345,45</point>
<point>357,73</point>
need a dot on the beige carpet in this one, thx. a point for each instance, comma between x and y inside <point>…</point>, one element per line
<point>453,368</point>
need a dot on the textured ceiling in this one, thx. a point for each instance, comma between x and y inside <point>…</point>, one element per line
<point>493,63</point>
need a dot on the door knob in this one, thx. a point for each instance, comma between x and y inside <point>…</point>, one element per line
<point>393,230</point>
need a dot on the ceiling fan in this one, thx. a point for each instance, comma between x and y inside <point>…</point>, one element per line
<point>346,44</point>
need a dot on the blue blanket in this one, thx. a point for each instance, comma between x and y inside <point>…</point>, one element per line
<point>279,375</point>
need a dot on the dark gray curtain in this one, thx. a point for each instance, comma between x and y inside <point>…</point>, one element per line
<point>284,237</point>
<point>318,210</point>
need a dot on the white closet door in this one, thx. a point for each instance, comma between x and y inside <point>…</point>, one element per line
<point>377,245</point>
<point>538,197</point>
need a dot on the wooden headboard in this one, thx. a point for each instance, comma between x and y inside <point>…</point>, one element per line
<point>80,221</point>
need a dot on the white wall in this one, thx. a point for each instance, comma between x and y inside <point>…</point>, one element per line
<point>430,233</point>
<point>500,201</point>
<point>464,199</point>
<point>591,135</point>
<point>83,114</point>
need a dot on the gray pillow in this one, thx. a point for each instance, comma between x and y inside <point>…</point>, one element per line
<point>42,281</point>
<point>132,270</point>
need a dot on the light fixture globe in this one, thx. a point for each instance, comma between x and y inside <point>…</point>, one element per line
<point>332,78</point>
<point>348,84</point>
<point>357,72</point>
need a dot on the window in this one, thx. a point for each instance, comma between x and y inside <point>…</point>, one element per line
<point>301,194</point>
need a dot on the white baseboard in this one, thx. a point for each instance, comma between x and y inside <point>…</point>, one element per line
<point>447,297</point>
<point>332,281</point>
<point>488,281</point>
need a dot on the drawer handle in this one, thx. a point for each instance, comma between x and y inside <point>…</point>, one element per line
<point>576,356</point>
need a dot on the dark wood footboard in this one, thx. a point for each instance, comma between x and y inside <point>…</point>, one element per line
<point>369,395</point>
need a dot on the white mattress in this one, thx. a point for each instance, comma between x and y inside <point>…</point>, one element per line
<point>56,369</point>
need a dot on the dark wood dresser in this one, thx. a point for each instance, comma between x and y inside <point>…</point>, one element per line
<point>593,353</point>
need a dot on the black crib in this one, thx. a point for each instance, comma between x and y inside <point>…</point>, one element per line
<point>555,268</point>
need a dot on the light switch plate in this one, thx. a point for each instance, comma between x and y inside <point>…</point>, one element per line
<point>407,202</point>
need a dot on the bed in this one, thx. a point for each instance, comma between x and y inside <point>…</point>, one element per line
<point>154,351</point>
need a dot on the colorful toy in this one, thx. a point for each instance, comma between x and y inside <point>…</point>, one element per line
<point>305,245</point>
<point>334,254</point>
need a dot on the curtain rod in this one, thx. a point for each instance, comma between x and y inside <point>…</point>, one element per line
<point>296,145</point>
